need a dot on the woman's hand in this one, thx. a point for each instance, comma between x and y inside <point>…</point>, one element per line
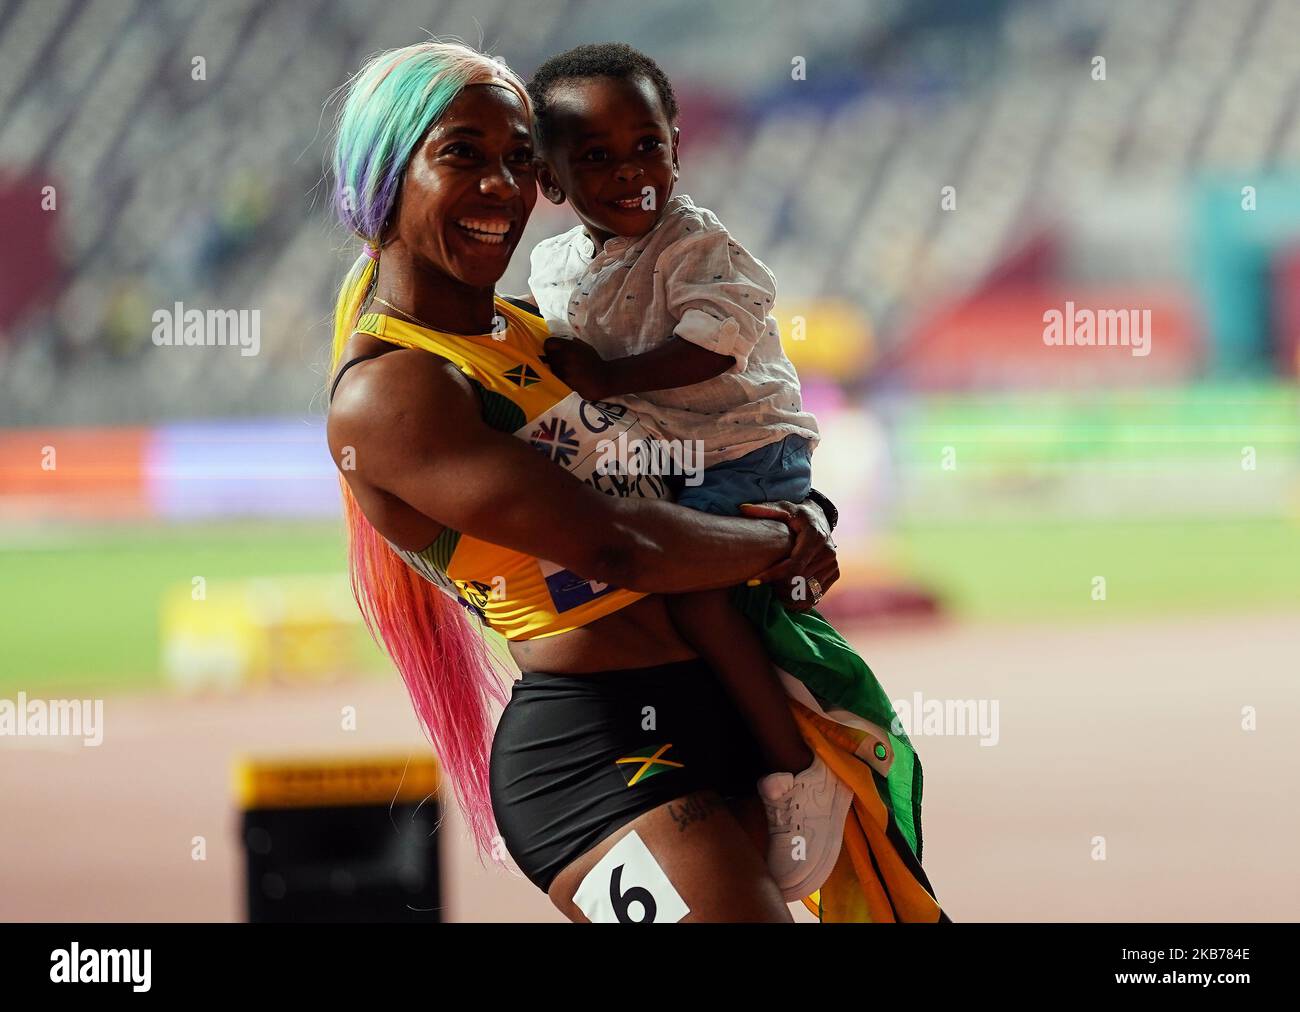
<point>578,364</point>
<point>812,557</point>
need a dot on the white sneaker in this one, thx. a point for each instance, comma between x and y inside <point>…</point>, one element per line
<point>805,826</point>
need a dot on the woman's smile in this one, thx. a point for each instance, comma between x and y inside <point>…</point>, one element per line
<point>485,235</point>
<point>491,231</point>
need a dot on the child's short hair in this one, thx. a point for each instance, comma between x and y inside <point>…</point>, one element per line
<point>601,59</point>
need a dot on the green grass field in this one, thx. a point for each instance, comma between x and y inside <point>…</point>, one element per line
<point>81,610</point>
<point>1190,495</point>
<point>1045,570</point>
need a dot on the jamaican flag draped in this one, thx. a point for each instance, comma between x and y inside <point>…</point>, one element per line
<point>848,720</point>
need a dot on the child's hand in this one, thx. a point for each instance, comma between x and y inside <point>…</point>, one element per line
<point>578,364</point>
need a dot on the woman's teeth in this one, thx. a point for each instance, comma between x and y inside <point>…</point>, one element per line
<point>486,230</point>
<point>629,204</point>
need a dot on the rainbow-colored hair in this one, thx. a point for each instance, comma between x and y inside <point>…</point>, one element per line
<point>442,655</point>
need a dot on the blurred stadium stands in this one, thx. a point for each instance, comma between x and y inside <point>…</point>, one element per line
<point>211,190</point>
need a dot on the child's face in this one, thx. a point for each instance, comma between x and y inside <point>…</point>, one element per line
<point>612,152</point>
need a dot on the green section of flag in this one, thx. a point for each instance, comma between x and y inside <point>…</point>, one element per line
<point>654,770</point>
<point>810,649</point>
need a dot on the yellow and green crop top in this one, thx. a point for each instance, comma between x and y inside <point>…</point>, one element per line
<point>518,595</point>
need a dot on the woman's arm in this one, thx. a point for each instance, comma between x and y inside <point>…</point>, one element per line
<point>414,424</point>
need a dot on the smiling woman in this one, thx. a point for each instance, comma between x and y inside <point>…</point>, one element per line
<point>471,228</point>
<point>437,416</point>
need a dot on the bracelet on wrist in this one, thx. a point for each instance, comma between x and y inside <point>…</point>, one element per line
<point>828,507</point>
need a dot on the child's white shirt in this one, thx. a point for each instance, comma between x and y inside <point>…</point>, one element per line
<point>687,277</point>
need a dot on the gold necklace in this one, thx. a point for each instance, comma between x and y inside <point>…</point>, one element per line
<point>413,319</point>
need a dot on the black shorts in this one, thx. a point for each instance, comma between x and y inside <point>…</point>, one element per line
<point>576,757</point>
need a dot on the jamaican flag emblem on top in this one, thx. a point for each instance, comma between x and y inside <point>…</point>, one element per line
<point>523,374</point>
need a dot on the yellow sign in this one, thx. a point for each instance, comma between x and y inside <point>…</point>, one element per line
<point>355,780</point>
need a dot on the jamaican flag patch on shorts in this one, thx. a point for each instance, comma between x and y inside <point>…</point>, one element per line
<point>646,763</point>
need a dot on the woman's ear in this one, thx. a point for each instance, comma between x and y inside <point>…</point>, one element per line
<point>677,168</point>
<point>550,187</point>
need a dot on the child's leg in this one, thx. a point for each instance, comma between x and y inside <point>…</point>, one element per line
<point>721,635</point>
<point>734,650</point>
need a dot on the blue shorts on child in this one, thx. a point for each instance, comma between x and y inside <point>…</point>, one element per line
<point>779,470</point>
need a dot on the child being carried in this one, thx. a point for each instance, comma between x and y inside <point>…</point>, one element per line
<point>652,302</point>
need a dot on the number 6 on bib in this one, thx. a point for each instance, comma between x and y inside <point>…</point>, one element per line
<point>627,886</point>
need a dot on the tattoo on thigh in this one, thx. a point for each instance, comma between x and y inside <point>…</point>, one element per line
<point>695,808</point>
